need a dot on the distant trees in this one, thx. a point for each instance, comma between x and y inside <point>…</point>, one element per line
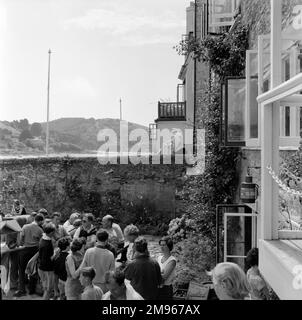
<point>36,129</point>
<point>20,125</point>
<point>25,134</point>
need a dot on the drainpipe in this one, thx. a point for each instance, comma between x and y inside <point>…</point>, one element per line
<point>195,63</point>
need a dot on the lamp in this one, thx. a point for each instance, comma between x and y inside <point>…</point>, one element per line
<point>248,190</point>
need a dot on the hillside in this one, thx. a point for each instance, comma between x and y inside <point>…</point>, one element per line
<point>72,135</point>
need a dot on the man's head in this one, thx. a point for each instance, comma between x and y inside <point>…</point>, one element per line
<point>87,220</point>
<point>141,245</point>
<point>102,236</point>
<point>56,218</point>
<point>31,217</point>
<point>44,212</point>
<point>86,276</point>
<point>49,229</point>
<point>39,219</point>
<point>131,232</point>
<point>115,282</point>
<point>252,258</point>
<point>16,203</point>
<point>107,221</point>
<point>73,217</point>
<point>64,243</point>
<point>77,223</point>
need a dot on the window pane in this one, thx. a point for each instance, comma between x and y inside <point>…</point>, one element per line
<point>287,121</point>
<point>239,235</point>
<point>301,122</point>
<point>287,69</point>
<point>221,12</point>
<point>223,102</point>
<point>235,106</point>
<point>253,108</point>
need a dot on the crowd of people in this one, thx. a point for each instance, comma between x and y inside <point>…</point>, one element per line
<point>83,260</point>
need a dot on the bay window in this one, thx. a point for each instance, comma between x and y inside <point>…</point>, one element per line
<point>240,109</point>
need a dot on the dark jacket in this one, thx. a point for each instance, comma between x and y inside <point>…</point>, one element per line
<point>145,276</point>
<point>45,253</point>
<point>59,266</point>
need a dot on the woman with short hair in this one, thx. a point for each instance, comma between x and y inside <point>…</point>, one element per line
<point>230,282</point>
<point>73,287</point>
<point>167,264</point>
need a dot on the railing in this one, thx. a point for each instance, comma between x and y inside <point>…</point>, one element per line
<point>172,111</point>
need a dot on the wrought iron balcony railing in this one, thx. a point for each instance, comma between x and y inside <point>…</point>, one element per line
<point>172,111</point>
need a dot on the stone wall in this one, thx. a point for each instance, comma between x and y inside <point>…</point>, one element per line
<point>82,184</point>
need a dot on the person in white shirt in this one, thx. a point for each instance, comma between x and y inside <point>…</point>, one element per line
<point>113,229</point>
<point>87,230</point>
<point>68,224</point>
<point>167,264</point>
<point>119,287</point>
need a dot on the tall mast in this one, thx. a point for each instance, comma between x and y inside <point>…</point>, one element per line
<point>48,86</point>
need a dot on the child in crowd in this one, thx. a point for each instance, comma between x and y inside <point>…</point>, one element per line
<point>91,292</point>
<point>258,288</point>
<point>59,266</point>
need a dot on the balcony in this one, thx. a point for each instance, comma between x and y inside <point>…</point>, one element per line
<point>171,111</point>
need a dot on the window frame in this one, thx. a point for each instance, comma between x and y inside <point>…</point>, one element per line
<point>213,17</point>
<point>225,109</point>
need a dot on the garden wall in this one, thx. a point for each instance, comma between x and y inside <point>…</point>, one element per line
<point>82,184</point>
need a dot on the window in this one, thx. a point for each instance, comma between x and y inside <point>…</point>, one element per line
<point>152,131</point>
<point>233,111</point>
<point>204,20</point>
<point>289,112</point>
<point>181,93</point>
<point>236,233</point>
<point>221,12</point>
<point>252,112</point>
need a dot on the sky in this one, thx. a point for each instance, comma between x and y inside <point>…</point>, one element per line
<point>101,50</point>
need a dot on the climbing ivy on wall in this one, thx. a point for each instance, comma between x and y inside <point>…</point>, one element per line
<point>225,55</point>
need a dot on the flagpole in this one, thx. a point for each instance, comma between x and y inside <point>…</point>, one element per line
<point>121,109</point>
<point>47,124</point>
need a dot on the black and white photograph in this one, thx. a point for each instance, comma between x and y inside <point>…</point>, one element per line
<point>150,151</point>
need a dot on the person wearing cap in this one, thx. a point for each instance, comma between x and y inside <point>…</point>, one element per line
<point>68,224</point>
<point>18,209</point>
